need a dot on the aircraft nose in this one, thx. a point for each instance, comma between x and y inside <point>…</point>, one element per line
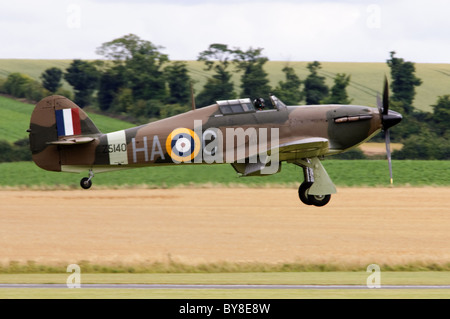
<point>391,119</point>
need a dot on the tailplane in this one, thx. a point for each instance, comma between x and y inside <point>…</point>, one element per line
<point>57,121</point>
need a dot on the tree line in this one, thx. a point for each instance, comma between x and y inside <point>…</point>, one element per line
<point>137,80</point>
<point>424,135</point>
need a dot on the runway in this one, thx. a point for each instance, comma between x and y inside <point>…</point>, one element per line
<point>179,287</point>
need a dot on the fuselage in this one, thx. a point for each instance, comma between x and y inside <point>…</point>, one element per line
<point>344,126</point>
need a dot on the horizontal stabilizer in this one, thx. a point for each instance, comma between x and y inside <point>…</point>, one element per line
<point>73,141</point>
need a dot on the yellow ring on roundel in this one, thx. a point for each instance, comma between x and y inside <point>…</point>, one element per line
<point>169,145</point>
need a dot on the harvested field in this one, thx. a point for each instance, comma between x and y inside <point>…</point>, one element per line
<point>359,226</point>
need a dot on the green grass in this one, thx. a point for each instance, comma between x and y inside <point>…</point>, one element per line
<point>33,68</point>
<point>14,119</point>
<point>18,293</point>
<point>366,80</point>
<point>290,278</point>
<point>171,267</point>
<point>343,173</point>
<point>254,278</point>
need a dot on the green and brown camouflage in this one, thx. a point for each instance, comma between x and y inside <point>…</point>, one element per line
<point>63,138</point>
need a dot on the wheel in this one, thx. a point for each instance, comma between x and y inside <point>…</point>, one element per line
<point>85,183</point>
<point>316,200</point>
<point>303,193</point>
<point>319,200</point>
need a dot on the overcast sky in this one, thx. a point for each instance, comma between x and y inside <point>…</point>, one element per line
<point>288,30</point>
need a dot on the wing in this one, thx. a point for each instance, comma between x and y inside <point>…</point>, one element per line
<point>302,148</point>
<point>297,149</point>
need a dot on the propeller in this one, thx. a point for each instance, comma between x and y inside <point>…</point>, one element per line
<point>388,119</point>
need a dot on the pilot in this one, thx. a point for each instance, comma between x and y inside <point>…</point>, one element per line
<point>259,103</point>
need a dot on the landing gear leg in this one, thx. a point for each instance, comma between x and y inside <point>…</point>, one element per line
<point>86,182</point>
<point>317,186</point>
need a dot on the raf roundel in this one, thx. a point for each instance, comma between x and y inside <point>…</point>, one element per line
<point>183,145</point>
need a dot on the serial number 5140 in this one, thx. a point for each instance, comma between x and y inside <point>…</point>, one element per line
<point>113,148</point>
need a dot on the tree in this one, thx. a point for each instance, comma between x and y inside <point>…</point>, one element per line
<point>220,87</point>
<point>425,146</point>
<point>51,79</point>
<point>338,91</point>
<point>254,81</point>
<point>83,77</point>
<point>315,89</point>
<point>217,56</point>
<point>19,151</point>
<point>179,83</point>
<point>142,62</point>
<point>110,83</point>
<point>403,82</point>
<point>441,115</point>
<point>16,84</point>
<point>289,91</point>
<point>146,78</point>
<point>22,85</point>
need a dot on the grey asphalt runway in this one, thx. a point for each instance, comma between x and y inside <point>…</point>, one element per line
<point>159,286</point>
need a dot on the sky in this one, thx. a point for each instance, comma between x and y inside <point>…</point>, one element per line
<point>287,30</point>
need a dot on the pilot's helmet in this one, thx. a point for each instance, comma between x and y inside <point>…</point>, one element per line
<point>259,102</point>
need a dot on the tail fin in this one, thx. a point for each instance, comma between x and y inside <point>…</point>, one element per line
<point>57,121</point>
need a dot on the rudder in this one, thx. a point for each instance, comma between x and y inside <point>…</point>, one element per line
<point>54,119</point>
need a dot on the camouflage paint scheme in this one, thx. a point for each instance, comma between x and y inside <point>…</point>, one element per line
<point>305,134</point>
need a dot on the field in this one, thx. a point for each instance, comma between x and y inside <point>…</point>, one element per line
<point>229,235</point>
<point>343,173</point>
<point>367,78</point>
<point>360,226</point>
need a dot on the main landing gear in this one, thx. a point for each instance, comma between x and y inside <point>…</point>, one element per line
<point>86,182</point>
<point>316,200</point>
<point>317,187</point>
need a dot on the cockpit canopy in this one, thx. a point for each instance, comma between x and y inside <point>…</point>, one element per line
<point>236,106</point>
<point>246,106</point>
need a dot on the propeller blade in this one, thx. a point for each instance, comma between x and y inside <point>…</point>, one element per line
<point>192,97</point>
<point>386,97</point>
<point>380,105</point>
<point>388,119</point>
<point>387,138</point>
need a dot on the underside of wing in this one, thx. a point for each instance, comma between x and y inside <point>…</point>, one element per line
<point>292,150</point>
<point>303,148</point>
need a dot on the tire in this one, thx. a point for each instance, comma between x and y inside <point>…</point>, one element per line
<point>303,193</point>
<point>319,200</point>
<point>85,183</point>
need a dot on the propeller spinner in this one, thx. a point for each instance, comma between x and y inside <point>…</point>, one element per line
<point>388,119</point>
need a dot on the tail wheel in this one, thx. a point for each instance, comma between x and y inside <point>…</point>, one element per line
<point>86,183</point>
